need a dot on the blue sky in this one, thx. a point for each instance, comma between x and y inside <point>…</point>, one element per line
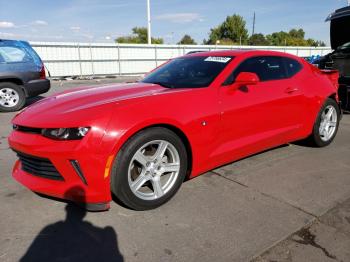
<point>104,20</point>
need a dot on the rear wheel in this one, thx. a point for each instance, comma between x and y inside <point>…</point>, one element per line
<point>326,125</point>
<point>149,169</point>
<point>12,97</point>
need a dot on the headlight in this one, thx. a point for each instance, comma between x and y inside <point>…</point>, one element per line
<point>65,133</point>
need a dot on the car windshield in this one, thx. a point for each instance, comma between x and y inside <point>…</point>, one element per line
<point>189,72</point>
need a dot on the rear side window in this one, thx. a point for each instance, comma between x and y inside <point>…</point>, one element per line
<point>14,54</point>
<point>293,66</point>
<point>266,67</point>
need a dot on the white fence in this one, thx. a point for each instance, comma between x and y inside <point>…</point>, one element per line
<point>84,59</point>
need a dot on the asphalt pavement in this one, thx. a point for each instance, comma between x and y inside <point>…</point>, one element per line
<point>291,203</point>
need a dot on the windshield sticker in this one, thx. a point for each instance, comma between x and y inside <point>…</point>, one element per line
<point>218,59</point>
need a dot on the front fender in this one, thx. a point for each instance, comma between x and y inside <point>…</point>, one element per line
<point>117,135</point>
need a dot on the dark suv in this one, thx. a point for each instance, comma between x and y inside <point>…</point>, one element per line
<point>22,74</point>
<point>339,59</point>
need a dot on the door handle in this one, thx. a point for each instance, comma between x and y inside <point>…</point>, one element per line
<point>290,90</point>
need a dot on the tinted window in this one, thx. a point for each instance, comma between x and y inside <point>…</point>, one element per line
<point>14,54</point>
<point>191,71</point>
<point>293,66</point>
<point>266,67</point>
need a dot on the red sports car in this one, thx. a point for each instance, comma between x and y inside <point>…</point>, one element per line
<point>139,141</point>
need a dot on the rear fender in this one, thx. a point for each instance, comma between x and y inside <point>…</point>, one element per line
<point>333,77</point>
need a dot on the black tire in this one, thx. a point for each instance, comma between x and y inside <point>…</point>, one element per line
<point>16,89</point>
<point>316,138</point>
<point>120,170</point>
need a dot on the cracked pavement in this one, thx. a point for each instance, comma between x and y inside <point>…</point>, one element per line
<point>291,203</point>
<point>326,239</point>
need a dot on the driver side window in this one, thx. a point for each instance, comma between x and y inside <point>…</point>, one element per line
<point>266,67</point>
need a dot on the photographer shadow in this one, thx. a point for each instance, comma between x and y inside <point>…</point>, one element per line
<point>74,239</point>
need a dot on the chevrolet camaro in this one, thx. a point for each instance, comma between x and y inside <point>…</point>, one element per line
<point>140,141</point>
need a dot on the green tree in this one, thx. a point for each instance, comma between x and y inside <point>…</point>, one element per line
<point>295,37</point>
<point>187,40</point>
<point>297,33</point>
<point>315,43</point>
<point>278,38</point>
<point>232,30</point>
<point>139,37</point>
<point>258,39</point>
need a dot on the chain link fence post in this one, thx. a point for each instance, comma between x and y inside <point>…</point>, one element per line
<point>92,61</point>
<point>119,63</point>
<point>156,55</point>
<point>80,67</point>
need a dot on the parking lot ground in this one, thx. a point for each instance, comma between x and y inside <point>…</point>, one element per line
<point>327,239</point>
<point>287,204</point>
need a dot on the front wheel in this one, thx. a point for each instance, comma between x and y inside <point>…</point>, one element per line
<point>326,125</point>
<point>149,169</point>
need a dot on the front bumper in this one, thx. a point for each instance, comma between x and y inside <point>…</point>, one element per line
<point>37,87</point>
<point>92,190</point>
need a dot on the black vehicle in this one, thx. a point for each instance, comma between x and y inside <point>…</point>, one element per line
<point>22,74</point>
<point>339,59</point>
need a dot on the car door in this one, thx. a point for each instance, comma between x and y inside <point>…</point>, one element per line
<point>259,116</point>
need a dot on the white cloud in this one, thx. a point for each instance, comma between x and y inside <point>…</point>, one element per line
<point>40,22</point>
<point>6,35</point>
<point>87,35</point>
<point>75,28</point>
<point>180,17</point>
<point>6,24</point>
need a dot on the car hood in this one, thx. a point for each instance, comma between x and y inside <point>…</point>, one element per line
<point>83,104</point>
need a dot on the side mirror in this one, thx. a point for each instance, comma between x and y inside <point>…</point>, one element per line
<point>246,78</point>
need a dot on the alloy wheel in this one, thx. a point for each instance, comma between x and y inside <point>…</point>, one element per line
<point>328,124</point>
<point>153,170</point>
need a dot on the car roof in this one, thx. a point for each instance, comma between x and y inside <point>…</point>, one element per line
<point>242,52</point>
<point>13,41</point>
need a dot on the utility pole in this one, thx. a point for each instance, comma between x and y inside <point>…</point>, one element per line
<point>253,32</point>
<point>149,23</point>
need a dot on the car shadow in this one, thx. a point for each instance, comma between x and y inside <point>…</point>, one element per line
<point>74,239</point>
<point>32,100</point>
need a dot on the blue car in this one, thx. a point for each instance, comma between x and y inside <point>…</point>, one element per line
<point>22,75</point>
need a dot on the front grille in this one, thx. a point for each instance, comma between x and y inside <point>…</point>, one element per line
<point>26,129</point>
<point>37,166</point>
